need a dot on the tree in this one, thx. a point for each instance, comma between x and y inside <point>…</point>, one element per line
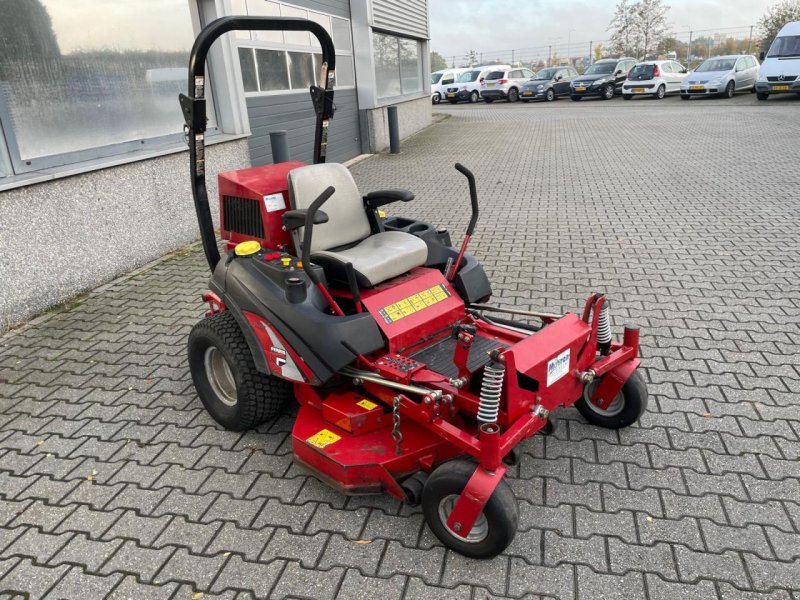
<point>622,27</point>
<point>598,51</point>
<point>651,21</point>
<point>776,17</point>
<point>438,62</point>
<point>471,57</point>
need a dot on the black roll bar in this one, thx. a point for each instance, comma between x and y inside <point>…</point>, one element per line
<point>193,105</point>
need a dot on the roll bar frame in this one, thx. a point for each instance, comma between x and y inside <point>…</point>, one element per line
<point>193,105</point>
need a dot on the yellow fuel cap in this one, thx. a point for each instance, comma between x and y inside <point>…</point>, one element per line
<point>247,248</point>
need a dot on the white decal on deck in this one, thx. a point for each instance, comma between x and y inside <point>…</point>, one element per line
<point>557,367</point>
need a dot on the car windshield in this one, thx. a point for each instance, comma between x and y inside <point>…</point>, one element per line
<point>435,77</point>
<point>784,47</point>
<point>600,69</point>
<point>496,75</point>
<point>717,64</point>
<point>642,72</point>
<point>468,77</point>
<point>546,74</point>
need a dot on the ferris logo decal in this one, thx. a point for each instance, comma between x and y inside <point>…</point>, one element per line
<point>278,356</point>
<point>557,367</point>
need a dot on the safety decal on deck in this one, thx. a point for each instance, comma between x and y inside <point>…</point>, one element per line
<point>366,404</point>
<point>557,367</point>
<point>414,303</point>
<point>323,438</point>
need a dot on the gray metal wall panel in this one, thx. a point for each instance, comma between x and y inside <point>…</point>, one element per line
<point>402,16</point>
<point>294,114</point>
<point>338,8</point>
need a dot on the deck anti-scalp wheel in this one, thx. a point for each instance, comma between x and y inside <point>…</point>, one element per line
<point>625,409</point>
<point>233,391</point>
<point>496,525</point>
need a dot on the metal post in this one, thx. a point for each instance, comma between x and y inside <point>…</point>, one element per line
<point>750,39</point>
<point>549,56</point>
<point>279,143</point>
<point>591,57</point>
<point>512,58</point>
<point>394,130</point>
<point>689,52</point>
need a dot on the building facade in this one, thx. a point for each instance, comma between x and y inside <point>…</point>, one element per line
<point>93,169</point>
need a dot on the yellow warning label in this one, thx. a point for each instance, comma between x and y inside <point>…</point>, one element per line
<point>366,404</point>
<point>415,303</point>
<point>323,438</point>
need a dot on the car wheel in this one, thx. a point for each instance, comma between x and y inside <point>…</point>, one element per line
<point>730,90</point>
<point>495,526</point>
<point>627,96</point>
<point>513,95</point>
<point>234,392</point>
<point>660,92</point>
<point>762,95</point>
<point>575,98</point>
<point>608,91</point>
<point>625,409</point>
<point>488,100</point>
<point>436,98</point>
<point>550,95</point>
<point>474,96</point>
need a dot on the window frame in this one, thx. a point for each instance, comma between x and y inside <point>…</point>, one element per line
<point>388,100</point>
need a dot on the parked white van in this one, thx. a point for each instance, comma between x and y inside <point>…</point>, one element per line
<point>780,68</point>
<point>440,80</point>
<point>468,85</point>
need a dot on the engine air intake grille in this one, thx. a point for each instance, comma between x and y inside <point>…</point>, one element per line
<point>776,79</point>
<point>242,215</point>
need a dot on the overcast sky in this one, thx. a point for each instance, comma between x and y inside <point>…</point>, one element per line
<point>490,26</point>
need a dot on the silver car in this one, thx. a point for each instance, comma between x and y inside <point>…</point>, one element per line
<point>723,76</point>
<point>504,84</point>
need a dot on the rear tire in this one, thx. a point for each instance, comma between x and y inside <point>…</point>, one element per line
<point>624,410</point>
<point>474,97</point>
<point>550,95</point>
<point>513,95</point>
<point>436,98</point>
<point>730,90</point>
<point>234,392</point>
<point>496,525</point>
<point>660,92</point>
<point>608,91</point>
<point>762,95</point>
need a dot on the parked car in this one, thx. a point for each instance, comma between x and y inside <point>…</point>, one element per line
<point>440,80</point>
<point>548,84</point>
<point>780,67</point>
<point>504,84</point>
<point>721,75</point>
<point>604,78</point>
<point>468,86</point>
<point>655,78</point>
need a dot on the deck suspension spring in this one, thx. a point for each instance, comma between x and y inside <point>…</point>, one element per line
<point>604,329</point>
<point>491,390</point>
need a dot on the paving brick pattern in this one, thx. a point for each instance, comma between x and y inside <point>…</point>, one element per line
<point>114,483</point>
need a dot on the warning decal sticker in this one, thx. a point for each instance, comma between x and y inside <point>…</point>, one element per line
<point>323,438</point>
<point>413,304</point>
<point>366,404</point>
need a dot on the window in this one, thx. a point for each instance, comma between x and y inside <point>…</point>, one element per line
<point>291,61</point>
<point>398,69</point>
<point>667,67</point>
<point>88,79</point>
<point>527,73</point>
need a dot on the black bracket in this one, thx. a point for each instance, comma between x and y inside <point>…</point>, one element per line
<point>194,113</point>
<point>322,101</point>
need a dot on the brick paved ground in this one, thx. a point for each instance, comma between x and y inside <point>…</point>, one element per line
<point>115,483</point>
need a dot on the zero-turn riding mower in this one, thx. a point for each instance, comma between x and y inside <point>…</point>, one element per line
<point>408,383</point>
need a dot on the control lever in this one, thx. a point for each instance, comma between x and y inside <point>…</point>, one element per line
<point>352,283</point>
<point>306,254</point>
<point>473,196</point>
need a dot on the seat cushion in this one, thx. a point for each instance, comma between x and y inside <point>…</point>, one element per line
<point>376,259</point>
<point>348,222</point>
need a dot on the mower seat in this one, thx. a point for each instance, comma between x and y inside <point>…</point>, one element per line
<point>347,236</point>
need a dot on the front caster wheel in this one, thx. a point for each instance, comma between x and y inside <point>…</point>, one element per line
<point>496,525</point>
<point>625,409</point>
<point>234,392</point>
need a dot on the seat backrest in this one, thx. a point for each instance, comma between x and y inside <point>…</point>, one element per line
<point>348,222</point>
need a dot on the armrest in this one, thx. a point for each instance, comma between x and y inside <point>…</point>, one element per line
<point>380,198</point>
<point>294,219</point>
